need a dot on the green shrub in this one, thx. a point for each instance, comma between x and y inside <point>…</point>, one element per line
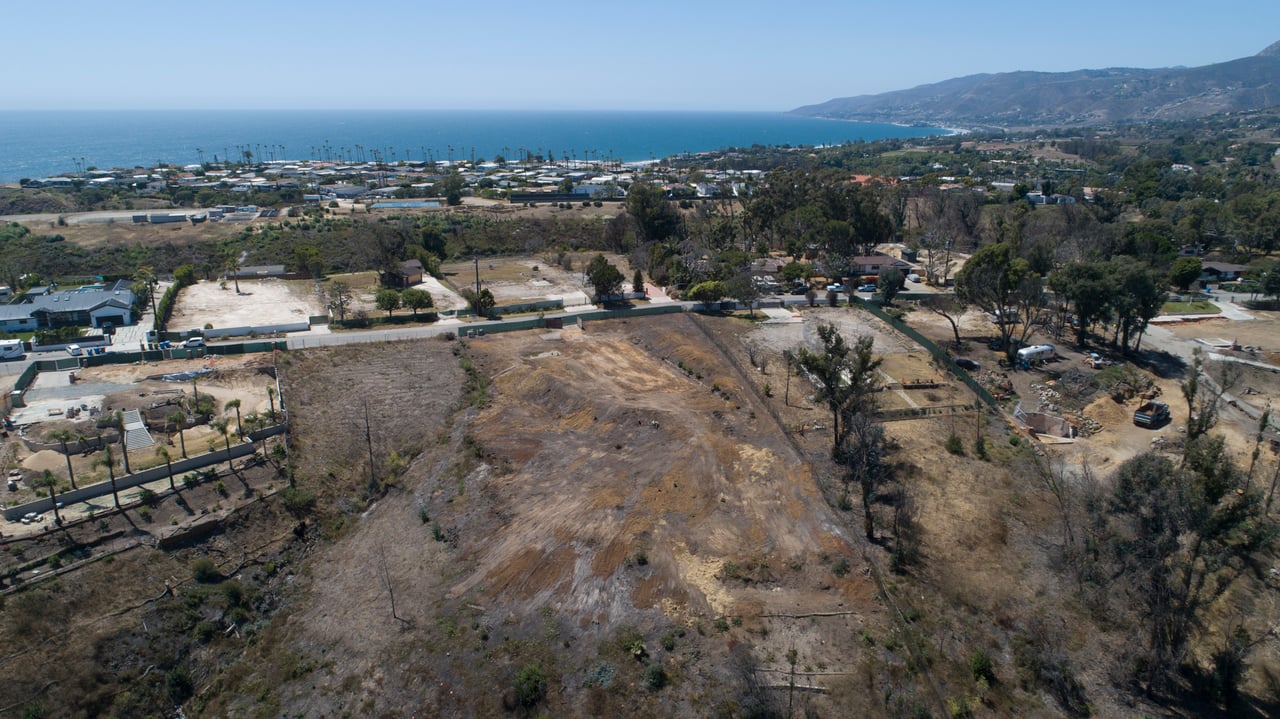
<point>980,666</point>
<point>669,641</point>
<point>955,445</point>
<point>655,677</point>
<point>298,502</point>
<point>531,686</point>
<point>980,448</point>
<point>841,567</point>
<point>205,571</point>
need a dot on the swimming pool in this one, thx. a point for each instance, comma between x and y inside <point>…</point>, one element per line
<point>401,204</point>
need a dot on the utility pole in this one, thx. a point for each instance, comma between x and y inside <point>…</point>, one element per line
<point>368,439</point>
<point>476,260</point>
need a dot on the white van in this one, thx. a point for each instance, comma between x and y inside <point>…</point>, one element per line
<point>10,349</point>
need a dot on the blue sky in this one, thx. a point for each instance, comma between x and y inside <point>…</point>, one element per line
<point>650,54</point>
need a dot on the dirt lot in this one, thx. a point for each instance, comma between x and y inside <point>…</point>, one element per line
<point>514,280</point>
<point>601,490</point>
<point>259,303</point>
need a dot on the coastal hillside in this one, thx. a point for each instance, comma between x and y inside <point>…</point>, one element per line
<point>1081,97</point>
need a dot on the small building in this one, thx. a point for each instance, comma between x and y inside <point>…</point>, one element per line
<point>410,274</point>
<point>875,264</point>
<point>1221,271</point>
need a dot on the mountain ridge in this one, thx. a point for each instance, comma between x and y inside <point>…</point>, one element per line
<point>1027,98</point>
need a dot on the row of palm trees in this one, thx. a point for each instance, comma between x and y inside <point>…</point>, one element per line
<point>178,418</point>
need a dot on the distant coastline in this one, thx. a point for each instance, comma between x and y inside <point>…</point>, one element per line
<point>37,144</point>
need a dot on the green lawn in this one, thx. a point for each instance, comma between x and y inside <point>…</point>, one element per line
<point>1189,308</point>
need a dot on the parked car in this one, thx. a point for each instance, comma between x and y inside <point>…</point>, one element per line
<point>837,287</point>
<point>74,350</point>
<point>967,364</point>
<point>867,288</point>
<point>800,290</point>
<point>913,277</point>
<point>193,342</point>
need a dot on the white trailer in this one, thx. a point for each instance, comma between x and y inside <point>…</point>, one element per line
<point>11,349</point>
<point>1035,353</point>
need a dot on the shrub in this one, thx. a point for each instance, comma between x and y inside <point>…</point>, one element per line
<point>147,496</point>
<point>531,686</point>
<point>980,448</point>
<point>177,685</point>
<point>841,567</point>
<point>955,445</point>
<point>297,501</point>
<point>655,677</point>
<point>669,641</point>
<point>205,571</point>
<point>980,666</point>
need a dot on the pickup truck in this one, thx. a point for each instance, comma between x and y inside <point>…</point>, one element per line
<point>1151,414</point>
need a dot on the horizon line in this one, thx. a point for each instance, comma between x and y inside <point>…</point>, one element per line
<point>378,109</point>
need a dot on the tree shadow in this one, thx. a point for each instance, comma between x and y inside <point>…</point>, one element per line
<point>1164,365</point>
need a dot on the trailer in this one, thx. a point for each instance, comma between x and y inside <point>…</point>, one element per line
<point>11,349</point>
<point>1035,353</point>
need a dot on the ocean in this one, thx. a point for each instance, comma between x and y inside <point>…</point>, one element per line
<point>41,143</point>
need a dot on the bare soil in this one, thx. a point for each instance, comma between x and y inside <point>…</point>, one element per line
<point>601,490</point>
<point>258,303</point>
<point>522,279</point>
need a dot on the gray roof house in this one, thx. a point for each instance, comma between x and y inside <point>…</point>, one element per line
<point>93,305</point>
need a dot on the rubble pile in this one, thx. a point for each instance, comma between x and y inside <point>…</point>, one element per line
<point>1050,398</point>
<point>1088,426</point>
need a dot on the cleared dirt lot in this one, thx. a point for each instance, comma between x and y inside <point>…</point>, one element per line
<point>259,303</point>
<point>515,279</point>
<point>600,492</point>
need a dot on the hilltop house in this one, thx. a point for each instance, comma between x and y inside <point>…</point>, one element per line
<point>93,305</point>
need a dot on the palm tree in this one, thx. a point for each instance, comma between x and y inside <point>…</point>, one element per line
<point>235,404</point>
<point>63,435</point>
<point>163,453</point>
<point>179,419</point>
<point>147,276</point>
<point>233,269</point>
<point>220,426</point>
<point>107,461</point>
<point>118,423</point>
<point>50,482</point>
